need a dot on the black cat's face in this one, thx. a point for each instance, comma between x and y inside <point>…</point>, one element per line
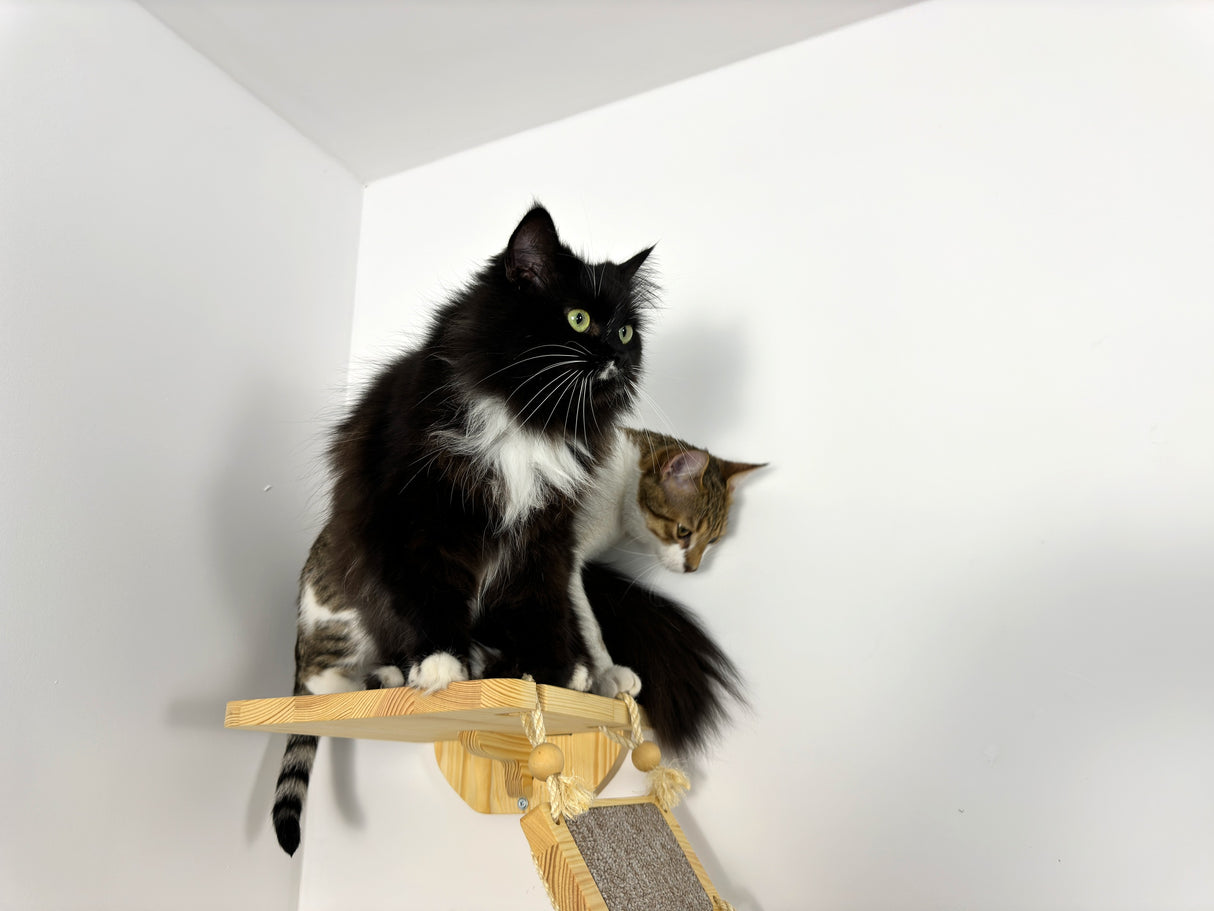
<point>559,339</point>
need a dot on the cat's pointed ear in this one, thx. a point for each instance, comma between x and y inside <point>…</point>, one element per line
<point>735,471</point>
<point>684,468</point>
<point>533,248</point>
<point>629,269</point>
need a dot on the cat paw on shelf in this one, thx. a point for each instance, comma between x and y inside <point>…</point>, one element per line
<point>580,680</point>
<point>436,672</point>
<point>385,677</point>
<point>615,680</point>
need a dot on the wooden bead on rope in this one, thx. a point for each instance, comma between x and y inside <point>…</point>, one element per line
<point>647,756</point>
<point>545,761</point>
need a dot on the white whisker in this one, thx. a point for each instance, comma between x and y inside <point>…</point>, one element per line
<point>556,393</point>
<point>548,386</point>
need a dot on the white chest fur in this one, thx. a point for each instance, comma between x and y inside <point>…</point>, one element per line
<point>603,518</point>
<point>525,467</point>
<point>609,510</point>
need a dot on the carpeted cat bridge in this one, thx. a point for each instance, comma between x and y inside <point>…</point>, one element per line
<point>514,746</point>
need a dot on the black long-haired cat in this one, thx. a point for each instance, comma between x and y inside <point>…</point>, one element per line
<point>457,476</point>
<point>458,472</point>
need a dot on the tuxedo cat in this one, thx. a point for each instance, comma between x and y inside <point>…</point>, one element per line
<point>664,495</point>
<point>457,478</point>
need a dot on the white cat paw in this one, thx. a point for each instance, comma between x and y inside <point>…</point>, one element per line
<point>436,672</point>
<point>329,681</point>
<point>581,679</point>
<point>389,676</point>
<point>617,679</point>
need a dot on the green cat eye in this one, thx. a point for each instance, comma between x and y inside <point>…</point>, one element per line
<point>626,334</point>
<point>683,531</point>
<point>579,320</point>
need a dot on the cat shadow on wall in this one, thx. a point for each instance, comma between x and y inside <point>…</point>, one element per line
<point>266,500</point>
<point>698,372</point>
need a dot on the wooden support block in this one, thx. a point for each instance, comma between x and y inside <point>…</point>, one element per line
<point>489,770</point>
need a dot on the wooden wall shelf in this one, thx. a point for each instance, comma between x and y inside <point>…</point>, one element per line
<point>482,751</point>
<point>476,726</point>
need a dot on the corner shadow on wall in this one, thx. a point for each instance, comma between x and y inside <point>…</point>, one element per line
<point>259,531</point>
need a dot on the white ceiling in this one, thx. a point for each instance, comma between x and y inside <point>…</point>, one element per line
<point>386,85</point>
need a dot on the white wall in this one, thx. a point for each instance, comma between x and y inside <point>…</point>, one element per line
<point>949,272</point>
<point>176,283</point>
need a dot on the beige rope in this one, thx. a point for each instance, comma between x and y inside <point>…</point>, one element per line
<point>533,726</point>
<point>667,784</point>
<point>633,738</point>
<point>567,795</point>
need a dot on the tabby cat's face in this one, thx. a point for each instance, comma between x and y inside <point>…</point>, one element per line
<point>561,340</point>
<point>684,498</point>
<point>684,533</point>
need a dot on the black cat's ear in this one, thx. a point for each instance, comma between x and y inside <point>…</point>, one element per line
<point>532,251</point>
<point>629,269</point>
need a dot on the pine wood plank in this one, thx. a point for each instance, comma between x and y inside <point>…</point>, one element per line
<point>559,864</point>
<point>408,715</point>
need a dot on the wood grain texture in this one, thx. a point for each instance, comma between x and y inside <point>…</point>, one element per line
<point>408,715</point>
<point>560,864</point>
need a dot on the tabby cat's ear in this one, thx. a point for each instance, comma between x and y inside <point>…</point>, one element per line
<point>533,248</point>
<point>684,468</point>
<point>734,471</point>
<point>629,269</point>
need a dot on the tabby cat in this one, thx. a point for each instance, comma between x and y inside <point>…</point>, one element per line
<point>664,493</point>
<point>679,511</point>
<point>673,500</point>
<point>457,477</point>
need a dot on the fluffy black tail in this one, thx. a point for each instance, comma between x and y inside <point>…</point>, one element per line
<point>292,789</point>
<point>687,681</point>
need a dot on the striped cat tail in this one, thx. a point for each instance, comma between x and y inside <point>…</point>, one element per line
<point>688,683</point>
<point>292,789</point>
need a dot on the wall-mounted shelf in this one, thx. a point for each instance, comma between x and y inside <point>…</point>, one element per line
<point>482,750</point>
<point>476,726</point>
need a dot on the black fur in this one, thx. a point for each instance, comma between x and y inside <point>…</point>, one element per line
<point>418,522</point>
<point>687,681</point>
<point>415,520</point>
